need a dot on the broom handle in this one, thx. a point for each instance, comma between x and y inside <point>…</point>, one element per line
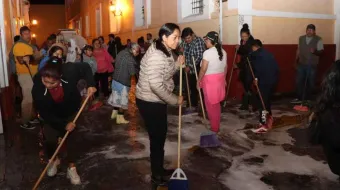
<point>60,145</point>
<point>179,118</point>
<point>188,90</point>
<point>256,85</point>
<point>199,90</point>
<point>231,76</point>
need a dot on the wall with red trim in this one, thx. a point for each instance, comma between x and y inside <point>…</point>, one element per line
<point>285,56</point>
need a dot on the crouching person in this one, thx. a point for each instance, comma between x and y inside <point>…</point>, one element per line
<point>266,71</point>
<point>57,100</point>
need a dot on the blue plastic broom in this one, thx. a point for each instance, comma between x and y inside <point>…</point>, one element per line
<point>179,180</point>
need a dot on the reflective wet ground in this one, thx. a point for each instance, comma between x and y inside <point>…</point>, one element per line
<point>115,157</point>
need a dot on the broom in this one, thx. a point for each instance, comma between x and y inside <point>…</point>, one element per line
<point>61,144</point>
<point>190,110</point>
<point>302,107</point>
<point>178,180</point>
<point>209,138</point>
<point>229,82</point>
<point>269,119</point>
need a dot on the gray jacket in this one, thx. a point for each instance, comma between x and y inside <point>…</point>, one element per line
<point>155,82</point>
<point>124,67</point>
<point>91,61</point>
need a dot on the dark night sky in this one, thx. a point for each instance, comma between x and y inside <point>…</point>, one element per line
<point>47,1</point>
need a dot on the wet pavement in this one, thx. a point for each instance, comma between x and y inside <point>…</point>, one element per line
<point>116,157</point>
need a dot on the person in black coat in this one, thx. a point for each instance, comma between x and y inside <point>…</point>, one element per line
<point>266,71</point>
<point>327,117</point>
<point>244,49</point>
<point>57,100</point>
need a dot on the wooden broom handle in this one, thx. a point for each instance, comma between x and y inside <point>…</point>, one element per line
<point>256,85</point>
<point>188,89</point>
<point>231,76</point>
<point>179,118</point>
<point>61,144</point>
<point>199,90</point>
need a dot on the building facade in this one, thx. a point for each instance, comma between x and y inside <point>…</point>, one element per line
<point>277,23</point>
<point>13,15</point>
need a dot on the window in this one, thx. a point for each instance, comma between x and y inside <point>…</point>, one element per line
<point>194,10</point>
<point>99,20</point>
<point>139,13</point>
<point>87,25</point>
<point>197,7</point>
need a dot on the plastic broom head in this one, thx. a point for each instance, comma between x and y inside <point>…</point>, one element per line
<point>178,180</point>
<point>301,108</point>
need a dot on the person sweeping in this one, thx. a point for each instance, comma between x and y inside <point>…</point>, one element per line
<point>211,78</point>
<point>266,72</point>
<point>154,92</point>
<point>57,100</point>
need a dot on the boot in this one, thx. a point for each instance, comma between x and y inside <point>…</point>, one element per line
<point>245,102</point>
<point>114,114</point>
<point>121,120</point>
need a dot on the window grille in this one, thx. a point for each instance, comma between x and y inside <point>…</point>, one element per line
<point>197,6</point>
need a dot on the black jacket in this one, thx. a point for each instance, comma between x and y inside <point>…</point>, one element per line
<point>244,51</point>
<point>265,67</point>
<point>328,122</point>
<point>59,114</point>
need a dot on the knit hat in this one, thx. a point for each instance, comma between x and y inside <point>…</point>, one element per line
<point>212,36</point>
<point>311,26</point>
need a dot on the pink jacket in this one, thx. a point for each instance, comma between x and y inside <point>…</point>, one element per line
<point>104,60</point>
<point>213,86</point>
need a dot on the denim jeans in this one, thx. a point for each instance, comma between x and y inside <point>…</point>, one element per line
<point>304,89</point>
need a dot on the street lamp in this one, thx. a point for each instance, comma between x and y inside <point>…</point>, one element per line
<point>115,9</point>
<point>34,22</point>
<point>33,35</point>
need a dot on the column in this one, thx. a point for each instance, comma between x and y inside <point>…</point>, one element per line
<point>337,28</point>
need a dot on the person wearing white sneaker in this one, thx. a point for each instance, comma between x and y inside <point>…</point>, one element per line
<point>121,83</point>
<point>58,100</point>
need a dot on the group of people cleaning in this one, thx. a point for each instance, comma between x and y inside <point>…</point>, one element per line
<point>57,98</point>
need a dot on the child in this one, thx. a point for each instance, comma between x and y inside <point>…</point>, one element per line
<point>87,57</point>
<point>266,73</point>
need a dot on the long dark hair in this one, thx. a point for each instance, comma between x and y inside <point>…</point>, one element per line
<point>330,93</point>
<point>215,41</point>
<point>53,68</point>
<point>166,30</point>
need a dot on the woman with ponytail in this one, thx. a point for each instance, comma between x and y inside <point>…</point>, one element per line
<point>244,49</point>
<point>154,92</point>
<point>212,78</point>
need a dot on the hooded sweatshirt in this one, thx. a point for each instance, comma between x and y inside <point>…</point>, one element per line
<point>54,113</point>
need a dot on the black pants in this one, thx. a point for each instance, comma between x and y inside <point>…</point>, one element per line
<point>103,80</point>
<point>155,119</point>
<point>246,81</point>
<point>193,90</point>
<point>51,142</point>
<point>266,92</point>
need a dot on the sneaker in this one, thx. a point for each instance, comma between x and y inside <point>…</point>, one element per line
<point>296,101</point>
<point>34,121</point>
<point>73,176</point>
<point>28,126</point>
<point>53,168</point>
<point>261,129</point>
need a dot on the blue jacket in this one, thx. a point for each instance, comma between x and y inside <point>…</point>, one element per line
<point>265,67</point>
